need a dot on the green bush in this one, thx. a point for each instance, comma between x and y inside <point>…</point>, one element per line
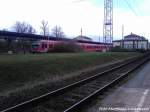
<point>141,50</point>
<point>66,47</point>
<point>119,49</point>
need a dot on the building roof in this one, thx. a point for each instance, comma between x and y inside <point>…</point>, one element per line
<point>80,37</point>
<point>134,37</point>
<point>14,35</point>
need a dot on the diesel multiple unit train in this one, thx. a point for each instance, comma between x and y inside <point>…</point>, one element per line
<point>42,46</point>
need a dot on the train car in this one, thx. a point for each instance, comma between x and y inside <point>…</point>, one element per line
<point>94,46</point>
<point>43,46</point>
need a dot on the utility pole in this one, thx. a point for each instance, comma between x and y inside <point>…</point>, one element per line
<point>122,31</point>
<point>122,36</point>
<point>81,32</point>
<point>108,21</point>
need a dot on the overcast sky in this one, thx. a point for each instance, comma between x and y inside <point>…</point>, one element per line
<point>71,15</point>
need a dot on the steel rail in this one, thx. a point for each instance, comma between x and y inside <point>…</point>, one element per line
<point>79,104</point>
<point>36,101</point>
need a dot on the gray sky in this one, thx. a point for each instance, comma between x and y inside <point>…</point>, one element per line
<point>71,15</point>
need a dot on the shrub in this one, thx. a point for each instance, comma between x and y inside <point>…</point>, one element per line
<point>119,49</point>
<point>141,50</point>
<point>66,47</point>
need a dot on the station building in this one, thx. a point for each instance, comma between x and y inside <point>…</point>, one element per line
<point>132,41</point>
<point>82,38</point>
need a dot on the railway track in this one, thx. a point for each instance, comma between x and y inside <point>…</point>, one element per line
<point>72,97</point>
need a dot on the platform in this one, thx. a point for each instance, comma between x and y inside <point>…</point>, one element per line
<point>132,96</point>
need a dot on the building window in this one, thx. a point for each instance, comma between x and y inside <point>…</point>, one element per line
<point>142,46</point>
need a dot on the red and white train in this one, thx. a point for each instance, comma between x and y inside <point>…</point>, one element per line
<point>42,46</point>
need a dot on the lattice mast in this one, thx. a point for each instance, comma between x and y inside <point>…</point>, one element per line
<point>108,21</point>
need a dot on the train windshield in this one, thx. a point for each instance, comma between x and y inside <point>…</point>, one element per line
<point>34,46</point>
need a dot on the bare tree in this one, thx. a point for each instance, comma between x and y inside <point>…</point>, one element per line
<point>57,32</point>
<point>31,30</point>
<point>44,27</point>
<point>23,27</point>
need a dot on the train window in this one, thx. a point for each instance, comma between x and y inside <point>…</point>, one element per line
<point>35,46</point>
<point>89,47</point>
<point>43,46</point>
<point>50,45</point>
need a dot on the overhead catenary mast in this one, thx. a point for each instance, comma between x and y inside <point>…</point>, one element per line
<point>81,31</point>
<point>108,21</point>
<point>122,45</point>
<point>122,32</point>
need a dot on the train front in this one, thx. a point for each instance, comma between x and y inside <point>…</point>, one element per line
<point>35,47</point>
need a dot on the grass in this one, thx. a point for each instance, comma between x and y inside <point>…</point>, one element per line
<point>17,70</point>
